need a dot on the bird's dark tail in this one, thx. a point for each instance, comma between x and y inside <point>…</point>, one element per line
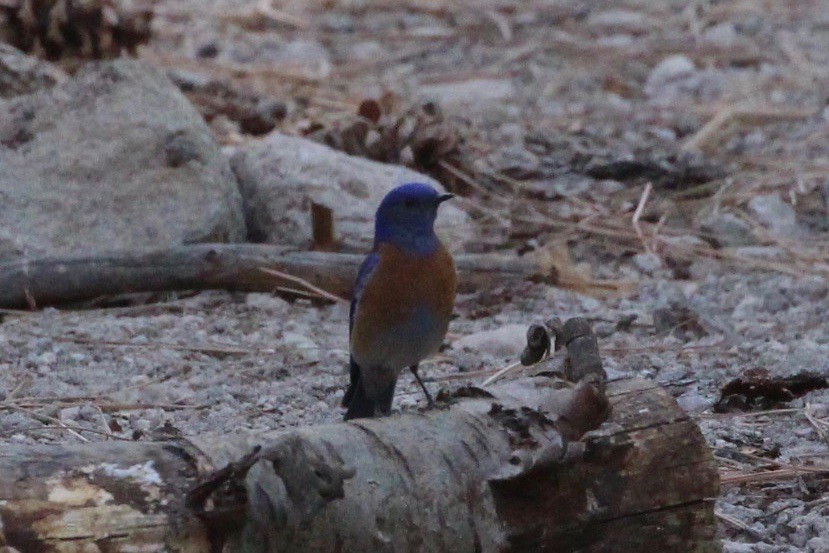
<point>360,406</point>
<point>354,372</point>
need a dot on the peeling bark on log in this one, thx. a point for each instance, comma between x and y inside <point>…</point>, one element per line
<point>463,478</point>
<point>57,280</point>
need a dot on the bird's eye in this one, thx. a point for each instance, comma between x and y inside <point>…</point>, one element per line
<point>409,202</point>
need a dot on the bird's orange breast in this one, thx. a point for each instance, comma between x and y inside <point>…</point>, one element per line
<point>402,285</point>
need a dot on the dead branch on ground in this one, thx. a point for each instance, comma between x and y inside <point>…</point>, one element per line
<point>61,280</point>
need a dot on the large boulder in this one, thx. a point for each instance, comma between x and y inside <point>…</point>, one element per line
<point>280,176</point>
<point>114,158</point>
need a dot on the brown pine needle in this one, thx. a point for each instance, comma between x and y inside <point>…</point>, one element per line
<point>304,283</point>
<point>501,373</point>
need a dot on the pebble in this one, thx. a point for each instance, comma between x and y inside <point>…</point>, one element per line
<point>728,230</point>
<point>669,69</point>
<point>301,345</point>
<point>776,215</point>
<point>693,402</point>
<point>722,34</point>
<point>506,341</point>
<point>628,21</point>
<point>647,262</point>
<point>266,302</point>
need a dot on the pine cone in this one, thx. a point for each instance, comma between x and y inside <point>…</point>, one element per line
<point>418,137</point>
<point>89,29</point>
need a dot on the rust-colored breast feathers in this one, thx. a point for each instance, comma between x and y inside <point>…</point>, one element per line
<point>401,283</point>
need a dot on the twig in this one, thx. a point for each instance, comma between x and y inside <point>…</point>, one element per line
<point>739,477</point>
<point>108,407</point>
<point>785,40</point>
<point>821,426</point>
<point>461,376</point>
<point>208,349</point>
<point>646,193</point>
<point>746,414</point>
<point>737,523</point>
<point>501,373</point>
<point>466,178</point>
<point>709,132</point>
<point>62,425</point>
<point>502,23</point>
<point>265,8</point>
<point>302,282</point>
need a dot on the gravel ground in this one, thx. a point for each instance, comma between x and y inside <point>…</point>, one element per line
<point>547,89</point>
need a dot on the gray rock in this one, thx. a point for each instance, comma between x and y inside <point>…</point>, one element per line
<point>620,21</point>
<point>569,185</point>
<point>115,158</point>
<point>505,342</point>
<point>477,95</point>
<point>722,34</point>
<point>281,175</point>
<point>728,230</point>
<point>301,346</point>
<point>22,74</point>
<point>669,69</point>
<point>777,216</point>
<point>693,402</point>
<point>684,240</point>
<point>647,262</point>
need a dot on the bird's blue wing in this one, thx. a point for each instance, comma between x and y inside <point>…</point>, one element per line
<point>368,266</point>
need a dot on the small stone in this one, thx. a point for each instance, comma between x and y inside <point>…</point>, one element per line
<point>504,342</point>
<point>647,262</point>
<point>142,425</point>
<point>818,545</point>
<point>626,21</point>
<point>474,93</point>
<point>69,413</point>
<point>728,230</point>
<point>607,187</point>
<point>686,240</point>
<point>16,422</point>
<point>266,302</point>
<point>302,346</point>
<point>209,50</point>
<point>604,329</point>
<point>804,432</point>
<point>723,34</point>
<point>769,253</point>
<point>308,54</point>
<point>778,216</point>
<point>693,402</point>
<point>570,185</point>
<point>670,69</point>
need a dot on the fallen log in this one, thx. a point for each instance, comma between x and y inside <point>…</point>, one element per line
<point>509,468</point>
<point>60,280</point>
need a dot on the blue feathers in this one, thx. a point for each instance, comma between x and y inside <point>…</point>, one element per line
<point>406,218</point>
<point>366,268</point>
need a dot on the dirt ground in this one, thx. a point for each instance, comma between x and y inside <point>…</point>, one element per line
<point>679,150</point>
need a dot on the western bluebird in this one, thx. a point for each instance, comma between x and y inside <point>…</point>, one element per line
<point>402,300</point>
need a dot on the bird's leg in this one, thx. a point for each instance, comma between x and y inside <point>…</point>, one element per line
<point>429,399</point>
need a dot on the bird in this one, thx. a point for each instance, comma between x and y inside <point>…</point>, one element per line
<point>402,299</point>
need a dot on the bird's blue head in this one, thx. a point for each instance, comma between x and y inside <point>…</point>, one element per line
<point>406,217</point>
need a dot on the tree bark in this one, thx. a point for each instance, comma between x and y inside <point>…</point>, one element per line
<point>60,280</point>
<point>509,468</point>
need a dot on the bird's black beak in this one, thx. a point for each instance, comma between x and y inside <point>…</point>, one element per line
<point>443,197</point>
